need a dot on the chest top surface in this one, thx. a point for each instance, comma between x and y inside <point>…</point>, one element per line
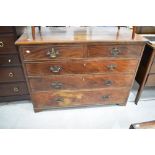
<point>78,35</point>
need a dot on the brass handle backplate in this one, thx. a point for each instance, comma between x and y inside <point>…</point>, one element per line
<point>59,99</point>
<point>107,82</point>
<point>1,44</point>
<point>52,53</point>
<point>16,89</point>
<point>111,67</point>
<point>115,52</point>
<point>11,74</point>
<point>56,85</point>
<point>55,69</point>
<point>105,97</point>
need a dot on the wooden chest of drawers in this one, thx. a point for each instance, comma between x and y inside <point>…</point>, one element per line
<point>80,67</point>
<point>12,81</point>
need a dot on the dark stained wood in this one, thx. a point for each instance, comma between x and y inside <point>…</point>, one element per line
<point>145,68</point>
<point>9,89</point>
<point>152,70</point>
<point>10,99</point>
<point>6,29</point>
<point>7,43</point>
<point>115,50</point>
<point>74,82</point>
<point>143,125</point>
<point>9,60</point>
<point>43,100</point>
<point>52,52</point>
<point>81,67</point>
<point>11,74</point>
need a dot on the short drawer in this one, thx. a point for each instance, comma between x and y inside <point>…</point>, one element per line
<point>9,60</point>
<point>76,98</point>
<point>52,52</point>
<point>114,51</point>
<point>76,82</point>
<point>18,88</point>
<point>81,67</point>
<point>6,29</point>
<point>7,43</point>
<point>150,80</point>
<point>11,74</point>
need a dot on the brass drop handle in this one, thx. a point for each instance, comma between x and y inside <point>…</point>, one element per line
<point>55,69</point>
<point>105,97</point>
<point>56,85</point>
<point>111,67</point>
<point>1,44</point>
<point>16,89</point>
<point>11,74</point>
<point>59,99</point>
<point>53,53</point>
<point>107,82</point>
<point>115,52</point>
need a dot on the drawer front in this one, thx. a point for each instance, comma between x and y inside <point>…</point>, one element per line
<point>77,98</point>
<point>9,60</point>
<point>81,67</point>
<point>114,50</point>
<point>11,74</point>
<point>150,80</point>
<point>52,52</point>
<point>6,29</point>
<point>18,88</point>
<point>80,82</point>
<point>7,44</point>
<point>152,70</point>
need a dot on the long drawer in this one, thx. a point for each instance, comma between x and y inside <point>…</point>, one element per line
<point>18,88</point>
<point>11,74</point>
<point>74,82</point>
<point>114,50</point>
<point>9,60</point>
<point>81,67</point>
<point>48,99</point>
<point>52,52</point>
<point>7,44</point>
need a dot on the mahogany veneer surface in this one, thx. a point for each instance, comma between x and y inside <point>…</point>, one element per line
<point>80,66</point>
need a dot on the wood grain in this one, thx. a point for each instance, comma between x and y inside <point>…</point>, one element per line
<point>43,100</point>
<point>11,74</point>
<point>33,53</point>
<point>125,51</point>
<point>75,82</point>
<point>81,67</point>
<point>11,89</point>
<point>8,43</point>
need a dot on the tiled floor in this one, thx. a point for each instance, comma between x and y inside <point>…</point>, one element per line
<point>21,115</point>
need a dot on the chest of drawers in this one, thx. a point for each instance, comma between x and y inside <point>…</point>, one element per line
<point>12,81</point>
<point>76,68</point>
